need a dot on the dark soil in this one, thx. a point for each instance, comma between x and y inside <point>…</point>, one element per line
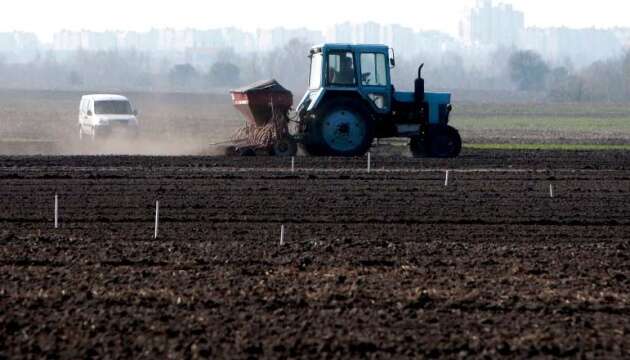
<point>390,264</point>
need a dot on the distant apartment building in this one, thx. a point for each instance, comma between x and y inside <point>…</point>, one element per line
<point>404,40</point>
<point>278,37</point>
<point>18,46</point>
<point>623,36</point>
<point>487,24</point>
<point>363,33</point>
<point>485,28</point>
<point>367,33</point>
<point>87,40</point>
<point>340,33</point>
<point>400,38</point>
<point>18,41</point>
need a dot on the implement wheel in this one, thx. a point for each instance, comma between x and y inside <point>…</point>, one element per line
<point>284,147</point>
<point>247,152</point>
<point>231,151</point>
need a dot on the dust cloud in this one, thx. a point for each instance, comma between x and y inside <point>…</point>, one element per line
<point>138,146</point>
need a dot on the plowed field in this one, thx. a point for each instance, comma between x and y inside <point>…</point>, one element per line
<point>385,264</point>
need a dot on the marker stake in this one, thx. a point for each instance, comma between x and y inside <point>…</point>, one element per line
<point>282,235</point>
<point>157,219</point>
<point>56,211</point>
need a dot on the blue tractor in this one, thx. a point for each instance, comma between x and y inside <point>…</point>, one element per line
<point>351,101</point>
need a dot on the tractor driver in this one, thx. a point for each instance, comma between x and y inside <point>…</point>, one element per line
<point>345,75</point>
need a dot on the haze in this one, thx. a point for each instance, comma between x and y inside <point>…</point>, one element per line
<point>45,18</point>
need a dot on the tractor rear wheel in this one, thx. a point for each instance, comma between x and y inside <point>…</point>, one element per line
<point>418,147</point>
<point>341,128</point>
<point>444,142</point>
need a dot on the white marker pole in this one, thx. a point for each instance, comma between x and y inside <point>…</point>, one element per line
<point>157,219</point>
<point>369,162</point>
<point>446,178</point>
<point>282,235</point>
<point>551,190</point>
<point>293,164</point>
<point>56,211</point>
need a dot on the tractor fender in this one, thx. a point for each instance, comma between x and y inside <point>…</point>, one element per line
<point>314,99</point>
<point>340,95</point>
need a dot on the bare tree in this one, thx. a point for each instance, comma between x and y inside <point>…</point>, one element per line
<point>182,76</point>
<point>224,73</point>
<point>528,70</point>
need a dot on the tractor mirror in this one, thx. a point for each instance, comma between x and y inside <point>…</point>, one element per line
<point>392,58</point>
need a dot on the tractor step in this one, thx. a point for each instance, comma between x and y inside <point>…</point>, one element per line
<point>408,130</point>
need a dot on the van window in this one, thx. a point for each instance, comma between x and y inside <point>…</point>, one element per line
<point>112,107</point>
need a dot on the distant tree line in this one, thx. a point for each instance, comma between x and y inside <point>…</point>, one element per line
<point>602,81</point>
<point>524,71</point>
<point>505,70</point>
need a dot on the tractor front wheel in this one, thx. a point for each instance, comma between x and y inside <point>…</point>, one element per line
<point>444,142</point>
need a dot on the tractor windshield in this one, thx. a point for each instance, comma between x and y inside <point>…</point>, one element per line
<point>316,71</point>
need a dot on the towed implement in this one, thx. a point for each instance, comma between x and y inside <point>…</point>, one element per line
<point>266,106</point>
<point>350,102</point>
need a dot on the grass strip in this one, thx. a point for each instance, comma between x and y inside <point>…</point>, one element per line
<point>562,147</point>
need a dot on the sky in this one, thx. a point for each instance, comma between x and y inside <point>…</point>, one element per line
<point>44,17</point>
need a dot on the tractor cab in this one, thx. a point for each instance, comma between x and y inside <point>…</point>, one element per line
<point>361,69</point>
<point>351,101</point>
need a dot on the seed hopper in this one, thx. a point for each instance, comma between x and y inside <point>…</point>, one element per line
<point>265,106</point>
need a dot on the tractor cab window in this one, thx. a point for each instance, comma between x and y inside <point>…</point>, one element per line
<point>316,71</point>
<point>341,69</point>
<point>373,69</point>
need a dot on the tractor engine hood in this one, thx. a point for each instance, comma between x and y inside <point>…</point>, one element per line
<point>439,103</point>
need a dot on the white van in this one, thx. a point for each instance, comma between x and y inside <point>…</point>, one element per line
<point>104,115</point>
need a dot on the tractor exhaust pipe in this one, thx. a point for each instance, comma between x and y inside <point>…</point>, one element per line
<point>419,87</point>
